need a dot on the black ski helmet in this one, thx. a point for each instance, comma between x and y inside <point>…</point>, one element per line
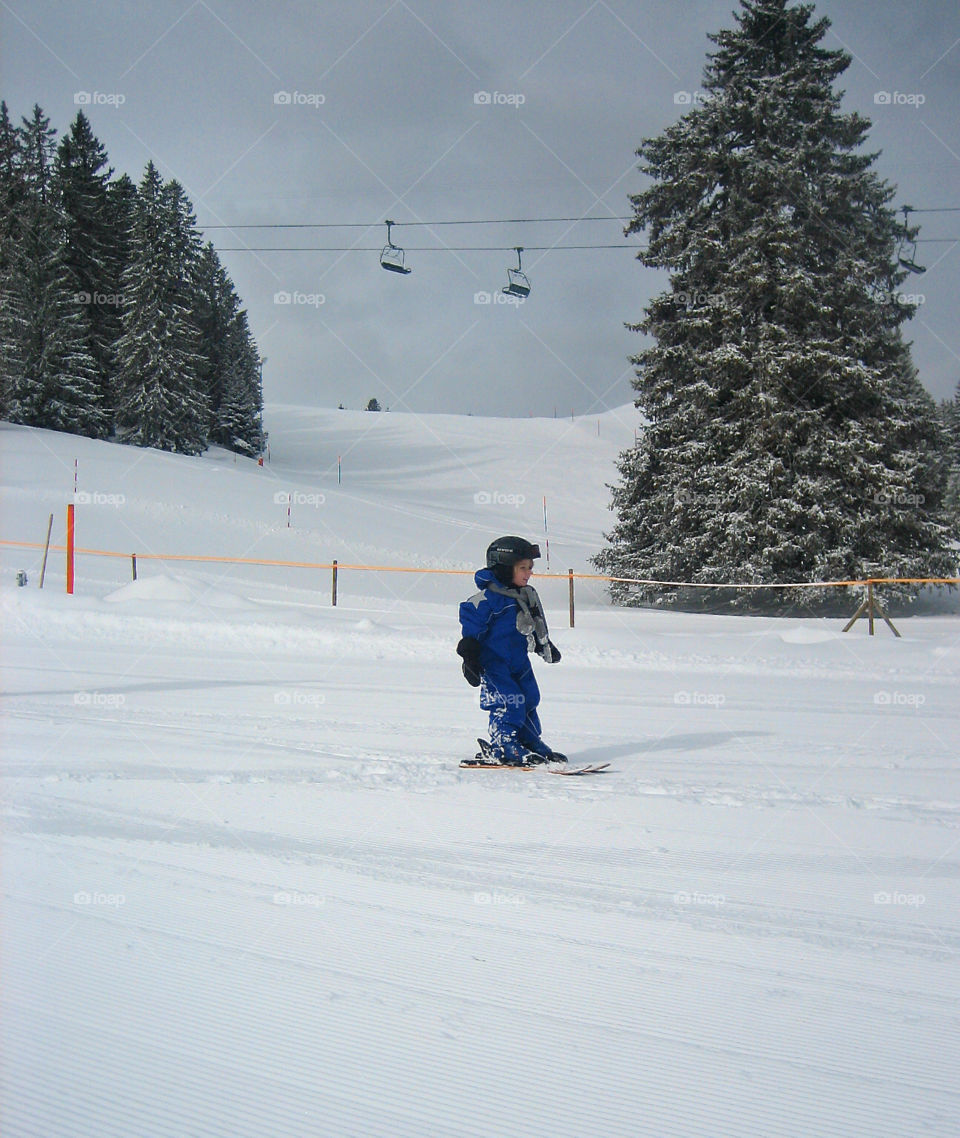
<point>505,552</point>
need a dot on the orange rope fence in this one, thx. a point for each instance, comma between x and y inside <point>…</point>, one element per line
<point>870,606</point>
<point>215,559</point>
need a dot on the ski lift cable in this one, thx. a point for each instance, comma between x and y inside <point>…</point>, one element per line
<point>410,224</point>
<point>480,221</point>
<point>417,248</point>
<point>470,248</point>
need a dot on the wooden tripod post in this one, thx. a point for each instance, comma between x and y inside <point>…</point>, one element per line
<point>872,608</point>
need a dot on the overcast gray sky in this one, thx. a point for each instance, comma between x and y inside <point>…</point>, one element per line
<point>300,113</point>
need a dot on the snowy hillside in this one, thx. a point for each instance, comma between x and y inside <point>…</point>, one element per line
<point>247,890</point>
<point>413,490</point>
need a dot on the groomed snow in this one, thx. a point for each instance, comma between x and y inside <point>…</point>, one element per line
<point>248,891</point>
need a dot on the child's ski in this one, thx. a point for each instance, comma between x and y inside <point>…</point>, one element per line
<point>486,760</point>
<point>480,763</point>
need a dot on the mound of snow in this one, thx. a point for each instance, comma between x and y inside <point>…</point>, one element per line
<point>160,588</point>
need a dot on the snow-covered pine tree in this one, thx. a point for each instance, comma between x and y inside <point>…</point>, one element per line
<point>49,374</point>
<point>239,422</point>
<point>11,189</point>
<point>230,368</point>
<point>787,435</point>
<point>81,182</point>
<point>160,402</point>
<point>951,429</point>
<point>214,307</point>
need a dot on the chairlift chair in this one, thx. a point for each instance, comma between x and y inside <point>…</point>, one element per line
<point>517,283</point>
<point>907,257</point>
<point>392,256</point>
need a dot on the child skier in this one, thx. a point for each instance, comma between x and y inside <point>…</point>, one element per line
<point>501,625</point>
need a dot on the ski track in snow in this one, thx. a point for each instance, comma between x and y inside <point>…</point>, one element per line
<point>248,891</point>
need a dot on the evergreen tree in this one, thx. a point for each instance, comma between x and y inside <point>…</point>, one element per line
<point>788,437</point>
<point>11,192</point>
<point>230,367</point>
<point>48,373</point>
<point>160,402</point>
<point>950,414</point>
<point>82,187</point>
<point>215,306</point>
<point>239,423</point>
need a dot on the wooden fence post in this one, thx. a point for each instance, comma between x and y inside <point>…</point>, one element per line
<point>570,580</point>
<point>334,593</point>
<point>46,550</point>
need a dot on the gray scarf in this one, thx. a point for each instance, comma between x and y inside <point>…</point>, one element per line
<point>531,622</point>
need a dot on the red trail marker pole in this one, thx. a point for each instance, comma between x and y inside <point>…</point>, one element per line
<point>70,544</point>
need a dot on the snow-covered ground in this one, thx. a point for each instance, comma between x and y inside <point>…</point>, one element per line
<point>247,891</point>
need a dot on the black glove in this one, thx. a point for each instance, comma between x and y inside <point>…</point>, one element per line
<point>469,650</point>
<point>556,657</point>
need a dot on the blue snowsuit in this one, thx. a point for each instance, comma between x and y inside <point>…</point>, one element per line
<point>508,690</point>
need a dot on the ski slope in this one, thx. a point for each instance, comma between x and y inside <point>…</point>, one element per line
<point>247,891</point>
